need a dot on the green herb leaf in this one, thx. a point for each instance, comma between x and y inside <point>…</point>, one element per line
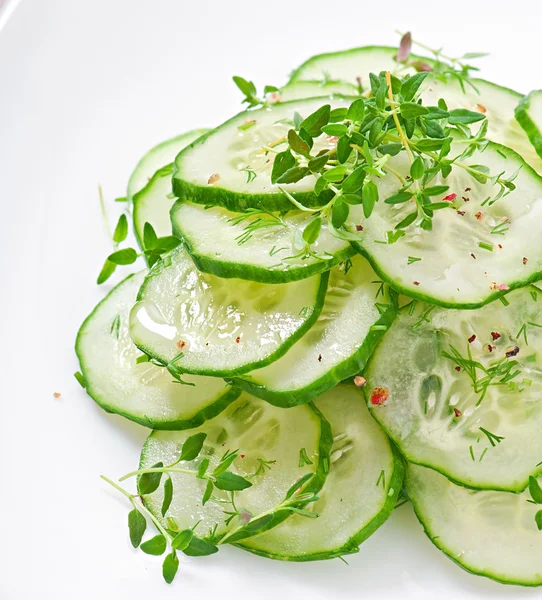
<point>399,198</point>
<point>412,85</point>
<point>462,116</point>
<point>408,220</point>
<point>339,213</point>
<point>436,190</point>
<point>192,446</point>
<point>126,256</point>
<point>354,181</point>
<point>351,198</point>
<point>230,482</point>
<point>417,168</point>
<point>121,230</point>
<point>107,270</point>
<point>167,243</point>
<point>303,458</point>
<point>411,110</point>
<point>168,496</point>
<point>335,174</point>
<point>318,162</point>
<point>335,130</point>
<point>369,197</point>
<point>199,547</point>
<point>297,144</point>
<point>208,492</point>
<point>312,230</point>
<point>283,161</point>
<point>337,115</point>
<point>298,484</point>
<point>136,526</point>
<point>149,482</point>
<point>182,539</point>
<point>155,546</point>
<point>250,529</point>
<point>344,150</point>
<point>538,520</point>
<point>481,173</point>
<point>356,110</point>
<point>391,149</point>
<point>313,123</point>
<point>170,566</point>
<point>535,490</point>
<point>149,237</point>
<point>202,468</point>
<point>293,175</point>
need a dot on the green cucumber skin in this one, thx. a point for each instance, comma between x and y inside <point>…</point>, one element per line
<point>343,371</point>
<point>319,303</point>
<point>195,421</point>
<point>352,545</point>
<point>435,541</point>
<point>232,270</point>
<point>529,126</point>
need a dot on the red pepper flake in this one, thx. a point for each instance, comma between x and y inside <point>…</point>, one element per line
<point>450,197</point>
<point>500,246</point>
<point>457,412</point>
<point>359,227</point>
<point>214,178</point>
<point>242,455</point>
<point>416,282</point>
<point>513,351</point>
<point>379,396</point>
<point>461,213</point>
<point>458,368</point>
<point>472,338</point>
<point>479,216</point>
<point>181,344</point>
<point>57,395</point>
<point>473,256</point>
<point>467,189</point>
<point>319,358</point>
<point>237,339</point>
<point>359,381</point>
<point>525,260</point>
<point>495,335</point>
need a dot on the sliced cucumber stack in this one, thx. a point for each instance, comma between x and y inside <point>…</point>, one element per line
<point>198,323</point>
<point>356,314</point>
<point>464,394</point>
<point>140,391</point>
<point>258,246</point>
<point>231,166</point>
<point>529,116</point>
<point>269,441</point>
<point>360,492</point>
<point>494,534</point>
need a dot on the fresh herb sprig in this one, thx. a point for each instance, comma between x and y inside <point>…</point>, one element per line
<point>238,523</point>
<point>536,498</point>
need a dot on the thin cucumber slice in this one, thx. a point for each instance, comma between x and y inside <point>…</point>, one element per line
<point>157,157</point>
<point>529,116</point>
<point>493,534</point>
<point>357,312</point>
<point>237,245</point>
<point>213,170</point>
<point>483,435</point>
<point>141,392</point>
<point>312,89</point>
<point>360,492</point>
<point>269,441</point>
<point>474,254</point>
<point>202,324</point>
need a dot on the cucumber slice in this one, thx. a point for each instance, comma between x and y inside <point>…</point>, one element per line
<point>483,436</point>
<point>455,270</point>
<point>360,492</point>
<point>142,392</point>
<point>311,89</point>
<point>529,116</point>
<point>157,157</point>
<point>493,534</point>
<point>231,244</point>
<point>264,435</point>
<point>356,314</point>
<point>213,170</point>
<point>202,324</point>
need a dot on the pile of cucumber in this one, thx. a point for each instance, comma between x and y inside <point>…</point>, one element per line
<point>301,377</point>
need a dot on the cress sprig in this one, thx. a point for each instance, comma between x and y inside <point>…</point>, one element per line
<point>238,522</point>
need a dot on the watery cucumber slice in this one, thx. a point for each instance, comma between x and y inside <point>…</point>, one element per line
<point>157,157</point>
<point>473,254</point>
<point>487,533</point>
<point>360,492</point>
<point>199,323</point>
<point>529,116</point>
<point>141,392</point>
<point>311,89</point>
<point>430,407</point>
<point>234,245</point>
<point>213,170</point>
<point>356,314</point>
<point>264,435</point>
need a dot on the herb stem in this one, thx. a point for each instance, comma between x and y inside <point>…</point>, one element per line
<point>157,470</point>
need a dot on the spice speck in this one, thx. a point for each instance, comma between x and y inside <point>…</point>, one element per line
<point>513,351</point>
<point>214,178</point>
<point>379,396</point>
<point>57,395</point>
<point>472,338</point>
<point>359,381</point>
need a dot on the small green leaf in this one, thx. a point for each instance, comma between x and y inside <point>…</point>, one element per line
<point>250,529</point>
<point>126,256</point>
<point>391,149</point>
<point>298,484</point>
<point>293,175</point>
<point>170,567</point>
<point>312,230</point>
<point>411,110</point>
<point>535,490</point>
<point>412,85</point>
<point>429,145</point>
<point>192,446</point>
<point>303,458</point>
<point>224,464</point>
<point>482,173</point>
<point>136,526</point>
<point>337,115</point>
<point>121,230</point>
<point>335,130</point>
<point>354,181</point>
<point>297,144</point>
<point>436,112</point>
<point>435,190</point>
<point>230,482</point>
<point>149,482</point>
<point>436,206</point>
<point>168,496</point>
<point>339,213</point>
<point>320,118</point>
<point>207,493</point>
<point>167,243</point>
<point>247,87</point>
<point>202,468</point>
<point>320,186</point>
<point>107,270</point>
<point>182,539</point>
<point>344,150</point>
<point>408,220</point>
<point>199,547</point>
<point>462,116</point>
<point>317,163</point>
<point>283,161</point>
<point>335,174</point>
<point>351,198</point>
<point>306,137</point>
<point>393,236</point>
<point>269,89</point>
<point>155,546</point>
<point>369,197</point>
<point>538,520</point>
<point>149,237</point>
<point>356,110</point>
<point>399,198</point>
<point>417,168</point>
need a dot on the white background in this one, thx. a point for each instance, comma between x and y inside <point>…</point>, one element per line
<point>85,88</point>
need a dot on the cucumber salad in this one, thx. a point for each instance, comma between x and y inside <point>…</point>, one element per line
<point>335,311</point>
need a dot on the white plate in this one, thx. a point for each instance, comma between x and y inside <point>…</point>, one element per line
<point>85,89</point>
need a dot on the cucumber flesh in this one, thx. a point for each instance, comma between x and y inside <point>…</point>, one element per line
<point>202,324</point>
<point>260,432</point>
<point>141,392</point>
<point>312,89</point>
<point>213,170</point>
<point>493,534</point>
<point>433,411</point>
<point>220,242</point>
<point>355,316</point>
<point>158,156</point>
<point>454,270</point>
<point>529,116</point>
<point>360,492</point>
